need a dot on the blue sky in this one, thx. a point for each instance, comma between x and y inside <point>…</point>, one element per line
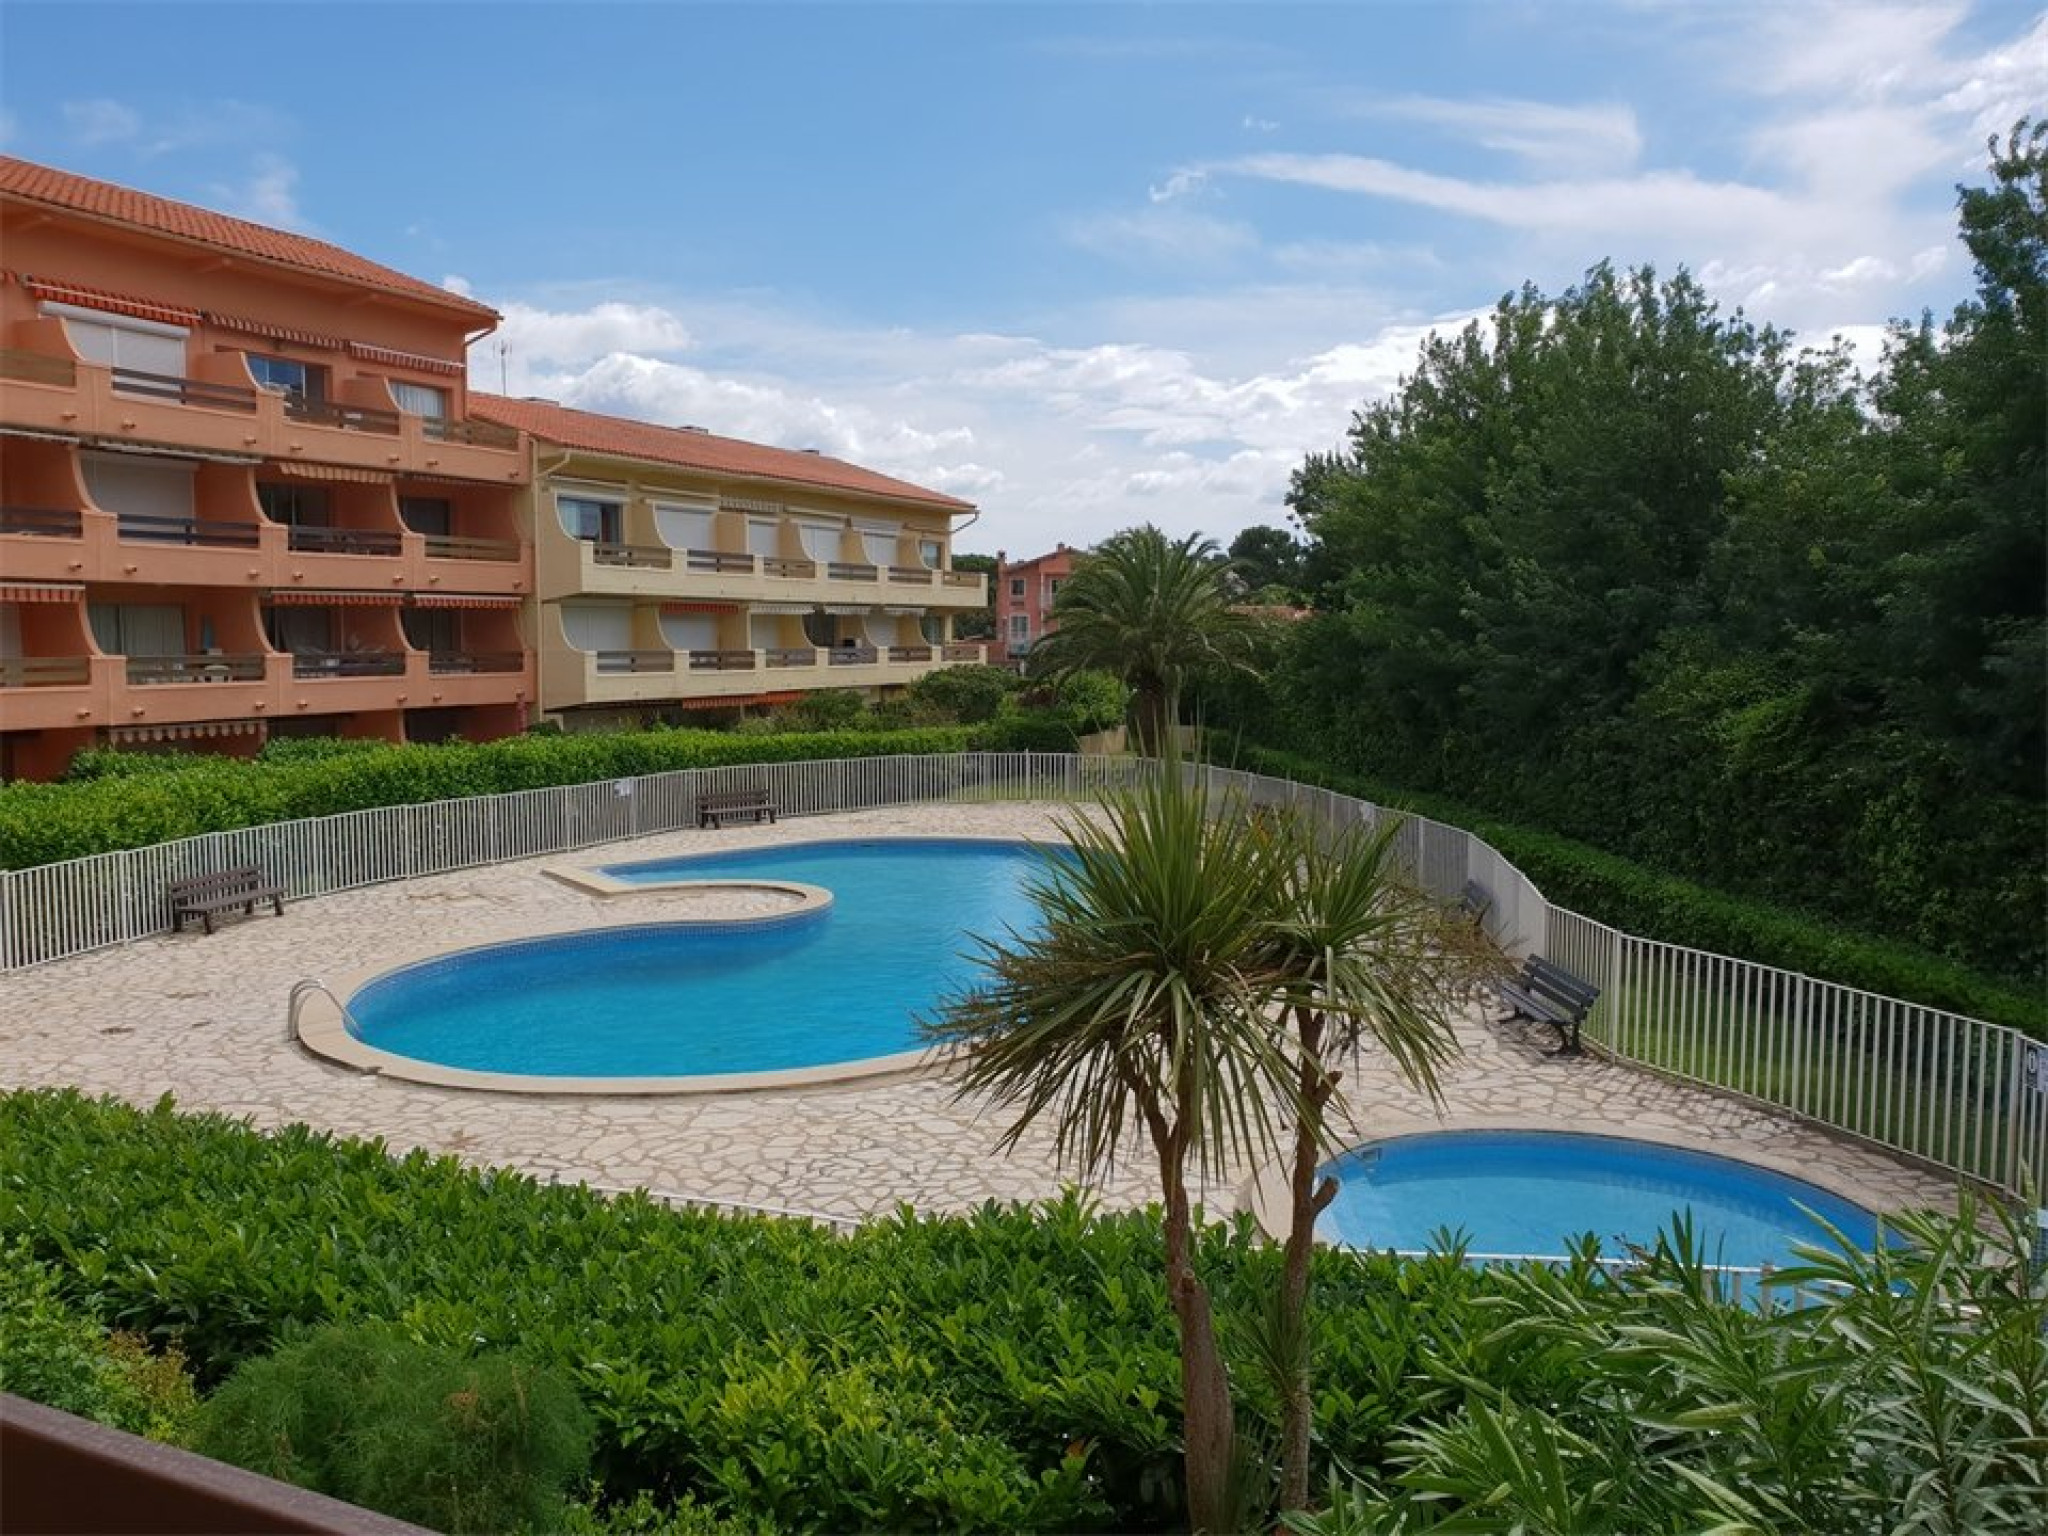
<point>1086,266</point>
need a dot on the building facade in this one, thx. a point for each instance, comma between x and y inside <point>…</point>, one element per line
<point>242,494</point>
<point>678,570</point>
<point>1024,594</point>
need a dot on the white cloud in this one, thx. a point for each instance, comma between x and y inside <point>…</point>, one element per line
<point>101,121</point>
<point>545,339</point>
<point>1550,136</point>
<point>269,194</point>
<point>1163,234</point>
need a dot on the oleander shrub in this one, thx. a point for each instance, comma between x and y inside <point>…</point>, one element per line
<point>455,1441</point>
<point>1651,905</point>
<point>55,1354</point>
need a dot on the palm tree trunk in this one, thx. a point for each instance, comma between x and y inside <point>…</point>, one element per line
<point>1209,1426</point>
<point>1305,1203</point>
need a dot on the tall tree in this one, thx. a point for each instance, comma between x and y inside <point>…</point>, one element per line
<point>1265,565</point>
<point>1138,1008</point>
<point>1153,612</point>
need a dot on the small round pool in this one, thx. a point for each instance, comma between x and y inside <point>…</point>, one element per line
<point>1531,1192</point>
<point>840,982</point>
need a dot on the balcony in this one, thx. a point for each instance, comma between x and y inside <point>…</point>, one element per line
<point>580,567</point>
<point>42,543</point>
<point>327,666</point>
<point>53,393</point>
<point>571,678</point>
<point>162,671</point>
<point>212,533</point>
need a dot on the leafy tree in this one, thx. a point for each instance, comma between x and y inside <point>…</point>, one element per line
<point>1266,564</point>
<point>977,623</point>
<point>1138,1008</point>
<point>1151,611</point>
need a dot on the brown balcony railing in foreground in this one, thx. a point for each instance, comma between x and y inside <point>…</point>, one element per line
<point>148,529</point>
<point>44,522</point>
<point>344,541</point>
<point>478,434</point>
<point>964,651</point>
<point>348,664</point>
<point>961,578</point>
<point>847,570</point>
<point>644,557</point>
<point>443,663</point>
<point>170,386</point>
<point>37,368</point>
<point>151,671</point>
<point>792,656</point>
<point>802,569</point>
<point>853,655</point>
<point>635,661</point>
<point>442,546</point>
<point>719,562</point>
<point>910,653</point>
<point>921,575</point>
<point>44,671</point>
<point>721,661</point>
<point>350,418</point>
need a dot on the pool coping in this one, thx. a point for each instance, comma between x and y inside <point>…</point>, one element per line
<point>1265,1193</point>
<point>324,1026</point>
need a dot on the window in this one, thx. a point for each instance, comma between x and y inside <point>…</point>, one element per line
<point>1017,587</point>
<point>585,517</point>
<point>287,376</point>
<point>296,506</point>
<point>930,552</point>
<point>435,630</point>
<point>137,629</point>
<point>119,341</point>
<point>419,399</point>
<point>139,491</point>
<point>933,627</point>
<point>1052,588</point>
<point>301,630</point>
<point>1020,627</point>
<point>427,514</point>
<point>685,525</point>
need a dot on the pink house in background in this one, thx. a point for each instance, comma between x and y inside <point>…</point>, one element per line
<point>1023,599</point>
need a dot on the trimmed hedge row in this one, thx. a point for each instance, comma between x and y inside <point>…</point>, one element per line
<point>1656,906</point>
<point>134,800</point>
<point>1014,1369</point>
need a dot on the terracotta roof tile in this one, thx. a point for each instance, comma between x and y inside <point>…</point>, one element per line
<point>624,438</point>
<point>28,182</point>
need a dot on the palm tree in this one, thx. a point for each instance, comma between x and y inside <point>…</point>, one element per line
<point>1353,951</point>
<point>1139,1005</point>
<point>1154,612</point>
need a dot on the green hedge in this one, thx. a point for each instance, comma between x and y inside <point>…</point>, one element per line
<point>134,800</point>
<point>1656,906</point>
<point>1015,1369</point>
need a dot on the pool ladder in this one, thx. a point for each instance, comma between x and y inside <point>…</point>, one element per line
<point>303,989</point>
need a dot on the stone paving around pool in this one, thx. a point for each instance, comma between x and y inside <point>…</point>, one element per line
<point>204,1018</point>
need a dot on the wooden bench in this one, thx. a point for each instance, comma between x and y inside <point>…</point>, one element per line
<point>1474,903</point>
<point>1550,994</point>
<point>717,810</point>
<point>204,896</point>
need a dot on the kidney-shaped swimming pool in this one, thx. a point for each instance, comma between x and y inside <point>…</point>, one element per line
<point>837,984</point>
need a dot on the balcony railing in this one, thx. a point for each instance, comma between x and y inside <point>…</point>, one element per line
<point>37,368</point>
<point>792,656</point>
<point>478,434</point>
<point>960,578</point>
<point>456,663</point>
<point>308,540</point>
<point>803,570</point>
<point>639,557</point>
<point>847,570</point>
<point>609,662</point>
<point>964,652</point>
<point>151,671</point>
<point>350,418</point>
<point>910,653</point>
<point>916,575</point>
<point>442,546</point>
<point>854,655</point>
<point>169,386</point>
<point>44,671</point>
<point>146,529</point>
<point>719,562</point>
<point>721,661</point>
<point>43,522</point>
<point>313,667</point>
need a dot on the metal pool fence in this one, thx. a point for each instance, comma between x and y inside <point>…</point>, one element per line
<point>1955,1092</point>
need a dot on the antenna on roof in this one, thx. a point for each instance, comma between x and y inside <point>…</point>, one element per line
<point>504,346</point>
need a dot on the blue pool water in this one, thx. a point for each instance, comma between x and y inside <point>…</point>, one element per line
<point>663,999</point>
<point>1531,1191</point>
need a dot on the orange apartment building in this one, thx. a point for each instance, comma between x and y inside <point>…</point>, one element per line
<point>1024,594</point>
<point>242,494</point>
<point>678,570</point>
